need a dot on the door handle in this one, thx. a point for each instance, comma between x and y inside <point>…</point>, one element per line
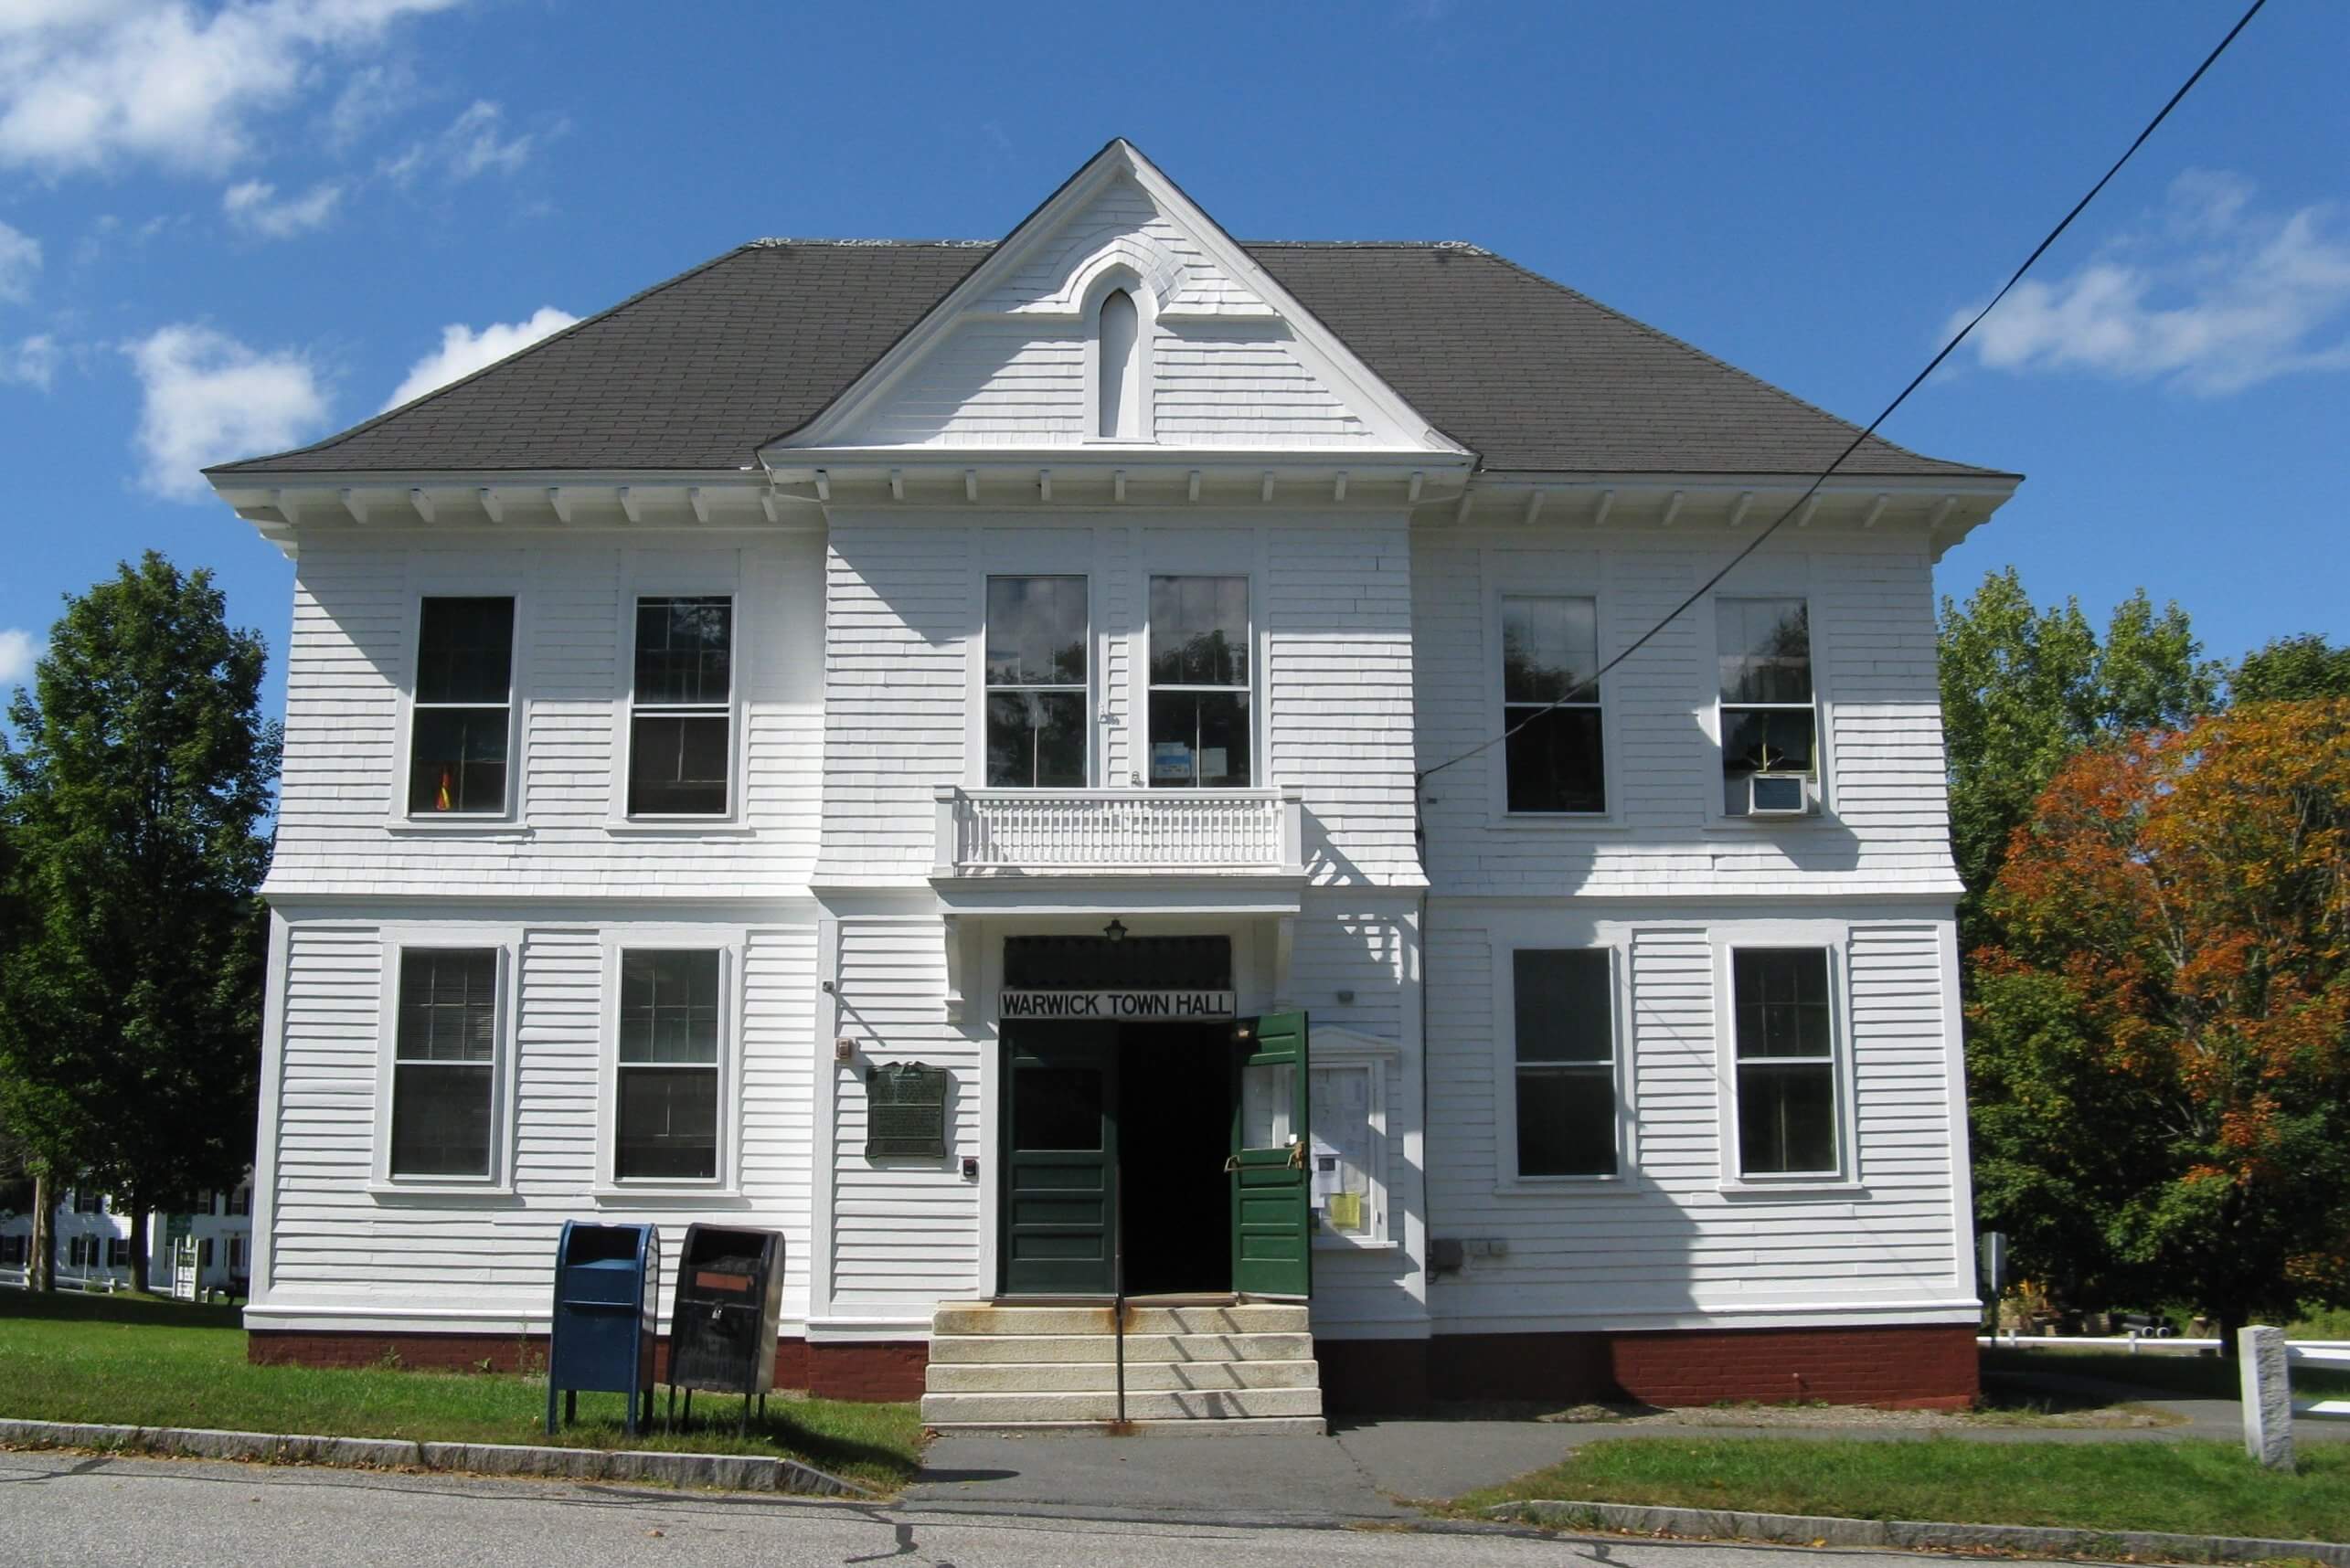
<point>1297,1154</point>
<point>1231,1164</point>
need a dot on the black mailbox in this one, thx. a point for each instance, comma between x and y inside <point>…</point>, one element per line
<point>601,1336</point>
<point>723,1322</point>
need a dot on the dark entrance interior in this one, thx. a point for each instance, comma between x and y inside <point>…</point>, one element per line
<point>1175,1129</point>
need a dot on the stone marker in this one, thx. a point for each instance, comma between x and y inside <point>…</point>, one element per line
<point>2268,1396</point>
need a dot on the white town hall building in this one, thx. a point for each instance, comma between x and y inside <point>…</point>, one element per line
<point>1073,667</point>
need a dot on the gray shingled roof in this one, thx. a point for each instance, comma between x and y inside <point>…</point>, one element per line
<point>699,372</point>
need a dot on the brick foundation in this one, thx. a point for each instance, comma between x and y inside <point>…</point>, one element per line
<point>1920,1368</point>
<point>862,1372</point>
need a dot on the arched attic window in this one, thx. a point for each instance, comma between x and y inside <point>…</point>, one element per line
<point>1118,391</point>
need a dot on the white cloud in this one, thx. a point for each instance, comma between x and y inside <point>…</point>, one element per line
<point>208,398</point>
<point>468,146</point>
<point>18,649</point>
<point>254,208</point>
<point>20,258</point>
<point>2215,296</point>
<point>33,362</point>
<point>85,84</point>
<point>372,96</point>
<point>464,351</point>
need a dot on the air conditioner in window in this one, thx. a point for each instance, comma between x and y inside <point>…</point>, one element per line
<point>1778,794</point>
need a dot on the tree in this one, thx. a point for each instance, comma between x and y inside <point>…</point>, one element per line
<point>2161,1056</point>
<point>2292,668</point>
<point>130,1010</point>
<point>2023,689</point>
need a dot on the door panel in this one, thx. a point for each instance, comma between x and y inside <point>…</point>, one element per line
<point>1272,1218</point>
<point>1061,1159</point>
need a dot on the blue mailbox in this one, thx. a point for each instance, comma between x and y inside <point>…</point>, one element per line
<point>606,1279</point>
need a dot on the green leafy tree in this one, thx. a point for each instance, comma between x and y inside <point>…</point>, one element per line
<point>2023,689</point>
<point>130,1008</point>
<point>2291,670</point>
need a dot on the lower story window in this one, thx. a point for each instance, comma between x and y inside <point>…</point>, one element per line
<point>1786,1062</point>
<point>667,1093</point>
<point>1566,1069</point>
<point>443,1063</point>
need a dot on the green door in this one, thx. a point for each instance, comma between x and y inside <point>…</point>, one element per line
<point>1273,1217</point>
<point>1061,1159</point>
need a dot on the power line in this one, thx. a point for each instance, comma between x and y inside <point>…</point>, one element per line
<point>1917,381</point>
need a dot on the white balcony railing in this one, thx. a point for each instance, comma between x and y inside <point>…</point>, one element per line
<point>1113,832</point>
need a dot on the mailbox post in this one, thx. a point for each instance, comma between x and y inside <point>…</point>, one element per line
<point>723,1319</point>
<point>602,1335</point>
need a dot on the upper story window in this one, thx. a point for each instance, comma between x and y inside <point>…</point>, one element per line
<point>89,1201</point>
<point>463,707</point>
<point>1118,390</point>
<point>444,1085</point>
<point>680,746</point>
<point>1199,725</point>
<point>1786,1038</point>
<point>1037,686</point>
<point>668,1090</point>
<point>1565,1070</point>
<point>1556,759</point>
<point>1769,726</point>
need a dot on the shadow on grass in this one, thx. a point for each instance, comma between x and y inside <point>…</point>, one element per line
<point>122,1308</point>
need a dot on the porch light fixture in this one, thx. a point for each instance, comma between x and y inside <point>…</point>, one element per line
<point>1115,930</point>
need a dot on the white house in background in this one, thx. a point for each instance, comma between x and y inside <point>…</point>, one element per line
<point>94,1242</point>
<point>1077,665</point>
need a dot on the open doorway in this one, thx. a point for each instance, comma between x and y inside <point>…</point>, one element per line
<point>1175,1132</point>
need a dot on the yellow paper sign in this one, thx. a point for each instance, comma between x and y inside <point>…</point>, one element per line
<point>1346,1210</point>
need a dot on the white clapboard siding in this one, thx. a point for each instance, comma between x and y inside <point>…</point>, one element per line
<point>1886,829</point>
<point>349,655</point>
<point>1668,1242</point>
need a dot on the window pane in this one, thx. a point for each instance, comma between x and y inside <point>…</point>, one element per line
<point>677,765</point>
<point>685,649</point>
<point>1558,762</point>
<point>668,1123</point>
<point>669,1006</point>
<point>1550,648</point>
<point>1199,631</point>
<point>448,1005</point>
<point>1783,1003</point>
<point>1036,631</point>
<point>1762,740</point>
<point>440,1119</point>
<point>1057,1108</point>
<point>1786,1118</point>
<point>1765,647</point>
<point>1566,1122</point>
<point>1199,739</point>
<point>464,650</point>
<point>1036,739</point>
<point>458,763</point>
<point>1267,1104</point>
<point>1563,1005</point>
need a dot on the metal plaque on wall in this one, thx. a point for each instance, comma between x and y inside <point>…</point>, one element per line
<point>904,1110</point>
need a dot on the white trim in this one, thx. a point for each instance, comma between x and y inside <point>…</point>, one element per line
<point>1345,1051</point>
<point>1834,939</point>
<point>432,576</point>
<point>396,939</point>
<point>271,1130</point>
<point>1571,934</point>
<point>1097,637</point>
<point>680,574</point>
<point>1106,276</point>
<point>1183,563</point>
<point>730,944</point>
<point>1504,575</point>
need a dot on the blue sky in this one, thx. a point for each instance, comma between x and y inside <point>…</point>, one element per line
<point>225,230</point>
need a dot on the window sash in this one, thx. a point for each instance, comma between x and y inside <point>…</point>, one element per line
<point>463,1146</point>
<point>645,1153</point>
<point>460,669</point>
<point>1790,1100</point>
<point>664,777</point>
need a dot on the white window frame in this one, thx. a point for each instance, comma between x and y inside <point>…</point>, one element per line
<point>729,943</point>
<point>1506,946</point>
<point>680,574</point>
<point>1835,941</point>
<point>1344,1051</point>
<point>1094,687</point>
<point>506,942</point>
<point>1110,276</point>
<point>1259,760</point>
<point>441,581</point>
<point>1790,581</point>
<point>1517,574</point>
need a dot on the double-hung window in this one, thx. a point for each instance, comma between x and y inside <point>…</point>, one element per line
<point>1199,723</point>
<point>1769,728</point>
<point>1555,755</point>
<point>443,1086</point>
<point>680,743</point>
<point>1565,1068</point>
<point>666,1126</point>
<point>1785,1029</point>
<point>1036,687</point>
<point>89,1201</point>
<point>462,715</point>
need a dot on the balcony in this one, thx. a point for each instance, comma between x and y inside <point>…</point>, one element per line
<point>1119,832</point>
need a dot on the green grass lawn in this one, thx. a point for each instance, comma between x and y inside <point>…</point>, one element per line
<point>145,1361</point>
<point>2198,1377</point>
<point>2197,1488</point>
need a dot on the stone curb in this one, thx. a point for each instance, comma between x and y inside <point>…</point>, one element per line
<point>1802,1529</point>
<point>731,1472</point>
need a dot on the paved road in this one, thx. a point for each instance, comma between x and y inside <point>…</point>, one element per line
<point>75,1509</point>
